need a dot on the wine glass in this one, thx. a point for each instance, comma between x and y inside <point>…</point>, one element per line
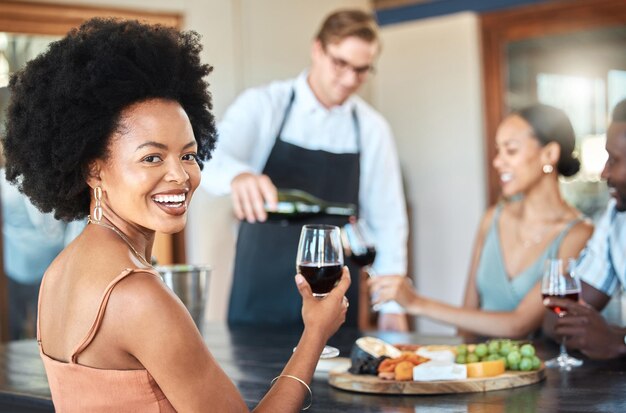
<point>358,245</point>
<point>560,281</point>
<point>320,261</point>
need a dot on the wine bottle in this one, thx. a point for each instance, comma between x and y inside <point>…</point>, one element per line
<point>294,204</point>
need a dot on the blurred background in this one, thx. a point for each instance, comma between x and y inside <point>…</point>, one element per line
<point>448,73</point>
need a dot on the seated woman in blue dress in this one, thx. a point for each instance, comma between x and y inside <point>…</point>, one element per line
<point>503,293</point>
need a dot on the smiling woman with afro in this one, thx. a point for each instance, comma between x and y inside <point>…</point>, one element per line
<point>114,122</point>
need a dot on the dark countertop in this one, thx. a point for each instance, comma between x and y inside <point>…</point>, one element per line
<point>252,357</point>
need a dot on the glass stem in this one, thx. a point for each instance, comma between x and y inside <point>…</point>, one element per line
<point>370,274</point>
<point>563,349</point>
<point>563,354</point>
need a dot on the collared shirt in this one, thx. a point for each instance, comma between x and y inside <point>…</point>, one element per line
<point>248,131</point>
<point>32,239</point>
<point>602,263</point>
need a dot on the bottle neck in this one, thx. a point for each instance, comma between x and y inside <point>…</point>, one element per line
<point>297,202</point>
<point>344,211</point>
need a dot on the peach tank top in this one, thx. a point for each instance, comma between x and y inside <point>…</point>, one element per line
<point>78,388</point>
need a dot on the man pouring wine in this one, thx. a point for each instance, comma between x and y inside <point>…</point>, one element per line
<point>314,135</point>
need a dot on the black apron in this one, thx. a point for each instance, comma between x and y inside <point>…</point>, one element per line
<point>263,290</point>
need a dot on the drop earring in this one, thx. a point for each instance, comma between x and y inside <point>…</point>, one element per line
<point>97,210</point>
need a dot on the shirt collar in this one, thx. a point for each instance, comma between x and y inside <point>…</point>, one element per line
<point>307,100</point>
<point>614,211</point>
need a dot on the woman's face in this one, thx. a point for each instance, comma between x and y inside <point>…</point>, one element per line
<point>518,158</point>
<point>151,171</point>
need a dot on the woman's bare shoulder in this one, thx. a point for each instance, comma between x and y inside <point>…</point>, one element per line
<point>487,218</point>
<point>582,229</point>
<point>576,238</point>
<point>142,292</point>
<point>144,315</point>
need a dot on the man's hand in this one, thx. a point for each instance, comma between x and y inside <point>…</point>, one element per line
<point>586,330</point>
<point>250,193</point>
<point>393,322</point>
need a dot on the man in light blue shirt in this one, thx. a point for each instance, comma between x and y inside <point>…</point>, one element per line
<point>602,265</point>
<point>31,240</point>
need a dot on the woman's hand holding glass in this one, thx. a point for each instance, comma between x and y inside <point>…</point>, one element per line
<point>325,315</point>
<point>395,288</point>
<point>322,280</point>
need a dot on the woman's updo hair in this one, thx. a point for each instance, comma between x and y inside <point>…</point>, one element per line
<point>551,124</point>
<point>66,104</point>
<point>619,112</point>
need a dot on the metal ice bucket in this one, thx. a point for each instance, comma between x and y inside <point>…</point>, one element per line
<point>191,284</point>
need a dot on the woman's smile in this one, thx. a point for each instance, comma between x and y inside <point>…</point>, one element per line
<point>172,202</point>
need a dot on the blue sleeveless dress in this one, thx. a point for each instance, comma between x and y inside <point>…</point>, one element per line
<point>498,292</point>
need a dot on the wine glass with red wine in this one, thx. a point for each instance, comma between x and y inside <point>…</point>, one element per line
<point>560,281</point>
<point>358,245</point>
<point>320,261</point>
<point>359,248</point>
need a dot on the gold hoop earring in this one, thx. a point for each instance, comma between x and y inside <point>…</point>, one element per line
<point>97,210</point>
<point>547,169</point>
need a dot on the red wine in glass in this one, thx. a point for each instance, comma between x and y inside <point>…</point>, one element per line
<point>320,261</point>
<point>358,244</point>
<point>364,258</point>
<point>560,281</point>
<point>322,277</point>
<point>359,247</point>
<point>568,295</point>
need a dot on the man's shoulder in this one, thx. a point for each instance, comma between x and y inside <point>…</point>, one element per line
<point>276,91</point>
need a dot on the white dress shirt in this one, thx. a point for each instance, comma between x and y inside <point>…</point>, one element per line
<point>247,135</point>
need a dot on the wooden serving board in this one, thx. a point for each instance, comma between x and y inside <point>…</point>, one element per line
<point>341,379</point>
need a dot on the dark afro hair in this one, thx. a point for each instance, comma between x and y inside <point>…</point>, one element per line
<point>551,124</point>
<point>66,104</point>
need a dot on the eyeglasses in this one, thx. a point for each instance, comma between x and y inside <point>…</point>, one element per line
<point>342,67</point>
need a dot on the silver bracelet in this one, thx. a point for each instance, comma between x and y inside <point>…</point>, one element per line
<point>301,381</point>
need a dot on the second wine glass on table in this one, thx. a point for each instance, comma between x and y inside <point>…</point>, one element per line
<point>320,261</point>
<point>560,281</point>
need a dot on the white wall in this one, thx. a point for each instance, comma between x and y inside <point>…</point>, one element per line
<point>429,88</point>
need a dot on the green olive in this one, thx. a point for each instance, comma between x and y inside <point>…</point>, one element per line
<point>514,357</point>
<point>536,363</point>
<point>526,364</point>
<point>461,349</point>
<point>481,350</point>
<point>527,350</point>
<point>494,347</point>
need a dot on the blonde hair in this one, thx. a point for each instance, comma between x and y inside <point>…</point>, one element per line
<point>346,23</point>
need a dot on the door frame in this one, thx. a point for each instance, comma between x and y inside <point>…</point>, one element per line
<point>501,27</point>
